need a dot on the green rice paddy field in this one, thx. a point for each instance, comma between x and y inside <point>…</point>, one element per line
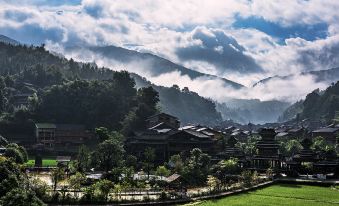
<point>46,162</point>
<point>281,194</point>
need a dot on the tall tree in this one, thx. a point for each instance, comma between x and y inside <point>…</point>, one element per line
<point>109,153</point>
<point>83,159</point>
<point>198,166</point>
<point>149,157</point>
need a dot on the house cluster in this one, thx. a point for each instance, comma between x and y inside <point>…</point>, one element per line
<point>330,133</point>
<point>167,138</point>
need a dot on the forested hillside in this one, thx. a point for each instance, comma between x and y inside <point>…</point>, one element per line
<point>292,111</point>
<point>322,105</point>
<point>318,105</point>
<point>183,103</point>
<point>71,92</point>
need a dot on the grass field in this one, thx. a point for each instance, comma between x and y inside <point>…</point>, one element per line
<point>48,162</point>
<point>282,194</point>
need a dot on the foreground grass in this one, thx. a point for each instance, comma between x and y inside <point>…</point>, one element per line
<point>282,194</point>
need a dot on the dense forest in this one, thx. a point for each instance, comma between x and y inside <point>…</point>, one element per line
<point>66,91</point>
<point>187,105</point>
<point>322,105</point>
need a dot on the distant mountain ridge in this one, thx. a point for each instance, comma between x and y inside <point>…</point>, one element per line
<point>8,40</point>
<point>326,75</point>
<point>155,65</point>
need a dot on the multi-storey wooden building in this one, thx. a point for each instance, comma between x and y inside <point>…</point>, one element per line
<point>61,136</point>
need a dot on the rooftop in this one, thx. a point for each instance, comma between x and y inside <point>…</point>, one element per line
<point>326,130</point>
<point>163,114</point>
<point>45,125</point>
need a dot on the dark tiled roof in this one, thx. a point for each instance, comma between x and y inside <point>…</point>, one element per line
<point>326,130</point>
<point>70,126</point>
<point>172,178</point>
<point>45,125</point>
<point>59,126</point>
<point>195,133</point>
<point>163,114</point>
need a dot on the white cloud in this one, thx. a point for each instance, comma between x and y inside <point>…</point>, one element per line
<point>288,90</point>
<point>164,27</point>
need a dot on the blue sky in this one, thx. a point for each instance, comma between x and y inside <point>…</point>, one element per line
<point>238,39</point>
<point>308,32</point>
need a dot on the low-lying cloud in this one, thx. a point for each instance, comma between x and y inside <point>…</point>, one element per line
<point>289,89</point>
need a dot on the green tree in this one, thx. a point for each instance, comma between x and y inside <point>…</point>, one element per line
<point>162,171</point>
<point>103,133</point>
<point>104,187</point>
<point>249,147</point>
<point>10,176</point>
<point>320,145</point>
<point>198,167</point>
<point>75,182</point>
<point>131,161</point>
<point>39,187</point>
<point>176,163</point>
<point>225,170</point>
<point>18,153</point>
<point>109,153</point>
<point>147,99</point>
<point>21,197</point>
<point>83,159</point>
<point>14,154</point>
<point>148,161</point>
<point>293,147</point>
<point>15,189</point>
<point>57,175</point>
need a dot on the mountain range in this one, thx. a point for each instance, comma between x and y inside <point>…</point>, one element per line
<point>155,65</point>
<point>239,110</point>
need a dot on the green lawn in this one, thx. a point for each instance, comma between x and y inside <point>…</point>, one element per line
<point>46,162</point>
<point>282,194</point>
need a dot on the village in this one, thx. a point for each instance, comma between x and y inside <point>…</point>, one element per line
<point>55,152</point>
<point>187,103</point>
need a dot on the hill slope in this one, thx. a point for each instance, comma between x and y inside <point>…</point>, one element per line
<point>318,105</point>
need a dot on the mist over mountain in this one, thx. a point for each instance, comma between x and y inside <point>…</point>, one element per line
<point>149,64</point>
<point>252,110</point>
<point>40,68</point>
<point>327,76</point>
<point>236,102</point>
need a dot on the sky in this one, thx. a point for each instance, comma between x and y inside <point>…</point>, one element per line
<point>241,40</point>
